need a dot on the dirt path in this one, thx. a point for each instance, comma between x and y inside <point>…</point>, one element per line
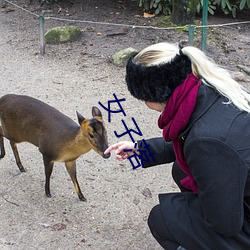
<point>115,214</point>
<point>76,77</point>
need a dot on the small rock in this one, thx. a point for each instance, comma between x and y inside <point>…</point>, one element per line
<point>9,243</point>
<point>62,34</point>
<point>121,58</point>
<point>147,193</point>
<point>239,76</point>
<point>2,3</point>
<point>44,225</point>
<point>136,201</point>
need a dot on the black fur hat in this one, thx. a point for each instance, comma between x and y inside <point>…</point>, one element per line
<point>156,83</point>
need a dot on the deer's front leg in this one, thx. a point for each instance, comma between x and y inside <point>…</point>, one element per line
<point>71,168</point>
<point>48,165</point>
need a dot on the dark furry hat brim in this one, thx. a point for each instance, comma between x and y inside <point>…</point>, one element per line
<point>156,83</point>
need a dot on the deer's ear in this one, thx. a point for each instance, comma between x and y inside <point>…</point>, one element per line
<point>80,118</point>
<point>96,112</point>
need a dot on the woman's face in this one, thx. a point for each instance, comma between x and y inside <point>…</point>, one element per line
<point>156,106</point>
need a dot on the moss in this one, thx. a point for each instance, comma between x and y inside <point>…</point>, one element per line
<point>63,34</point>
<point>163,22</point>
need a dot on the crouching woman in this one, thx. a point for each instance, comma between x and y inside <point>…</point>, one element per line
<point>205,122</point>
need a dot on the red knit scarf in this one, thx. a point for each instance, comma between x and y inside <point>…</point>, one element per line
<point>174,119</point>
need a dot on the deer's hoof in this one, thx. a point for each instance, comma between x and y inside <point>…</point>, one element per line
<point>82,198</point>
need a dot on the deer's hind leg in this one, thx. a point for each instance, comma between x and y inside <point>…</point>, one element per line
<point>1,144</point>
<point>15,151</point>
<point>71,168</point>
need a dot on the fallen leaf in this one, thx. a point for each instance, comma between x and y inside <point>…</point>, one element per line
<point>147,15</point>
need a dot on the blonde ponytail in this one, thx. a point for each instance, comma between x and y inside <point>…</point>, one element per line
<point>218,78</point>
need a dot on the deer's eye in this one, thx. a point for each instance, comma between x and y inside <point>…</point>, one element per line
<point>91,136</point>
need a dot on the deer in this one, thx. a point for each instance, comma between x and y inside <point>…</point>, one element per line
<point>58,138</point>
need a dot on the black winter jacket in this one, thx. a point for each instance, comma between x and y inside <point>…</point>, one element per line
<point>216,145</point>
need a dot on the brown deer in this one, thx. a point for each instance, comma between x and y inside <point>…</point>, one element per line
<point>59,138</point>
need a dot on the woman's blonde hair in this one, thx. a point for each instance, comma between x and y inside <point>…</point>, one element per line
<point>202,67</point>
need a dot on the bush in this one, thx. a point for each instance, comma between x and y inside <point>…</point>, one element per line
<point>232,6</point>
<point>156,6</point>
<point>165,6</point>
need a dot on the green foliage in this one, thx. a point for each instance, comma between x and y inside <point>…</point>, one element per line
<point>165,6</point>
<point>244,4</point>
<point>157,6</point>
<point>226,6</point>
<point>211,7</point>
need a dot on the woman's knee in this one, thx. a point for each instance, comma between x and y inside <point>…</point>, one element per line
<point>159,229</point>
<point>153,217</point>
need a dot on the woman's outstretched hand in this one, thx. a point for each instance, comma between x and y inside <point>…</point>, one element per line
<point>119,149</point>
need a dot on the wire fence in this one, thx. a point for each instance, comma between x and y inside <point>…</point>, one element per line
<point>191,28</point>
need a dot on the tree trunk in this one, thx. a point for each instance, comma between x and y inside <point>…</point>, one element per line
<point>183,11</point>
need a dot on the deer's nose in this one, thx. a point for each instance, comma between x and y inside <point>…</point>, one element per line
<point>106,156</point>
